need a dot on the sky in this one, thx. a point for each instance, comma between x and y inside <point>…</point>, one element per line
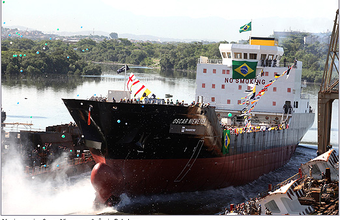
<point>181,19</point>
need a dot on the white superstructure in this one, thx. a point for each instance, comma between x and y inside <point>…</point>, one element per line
<point>215,83</point>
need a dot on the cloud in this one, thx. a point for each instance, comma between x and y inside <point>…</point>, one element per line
<point>242,9</point>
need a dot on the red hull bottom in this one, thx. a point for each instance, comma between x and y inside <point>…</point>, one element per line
<point>112,177</point>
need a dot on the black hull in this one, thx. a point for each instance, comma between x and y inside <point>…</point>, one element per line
<point>147,131</point>
<point>167,148</point>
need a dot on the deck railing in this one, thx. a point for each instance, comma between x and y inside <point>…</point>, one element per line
<point>210,61</point>
<point>219,61</point>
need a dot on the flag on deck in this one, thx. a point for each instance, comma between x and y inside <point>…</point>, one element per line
<point>139,89</point>
<point>269,84</point>
<point>226,141</point>
<point>244,69</point>
<point>277,75</point>
<point>260,93</point>
<point>146,93</point>
<point>130,81</point>
<point>246,27</point>
<point>288,71</point>
<point>122,69</point>
<point>253,92</point>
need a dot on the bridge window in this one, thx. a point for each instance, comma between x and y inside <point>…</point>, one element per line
<point>224,55</point>
<point>245,56</point>
<point>296,104</point>
<point>238,55</point>
<point>253,56</point>
<point>229,55</point>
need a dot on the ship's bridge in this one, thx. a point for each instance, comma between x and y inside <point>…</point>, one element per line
<point>217,85</point>
<point>260,49</point>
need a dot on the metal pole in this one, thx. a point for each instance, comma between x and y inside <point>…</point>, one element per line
<point>124,76</point>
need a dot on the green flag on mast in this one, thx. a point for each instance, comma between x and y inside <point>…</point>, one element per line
<point>246,27</point>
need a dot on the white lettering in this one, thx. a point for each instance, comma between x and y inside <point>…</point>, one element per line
<point>193,121</point>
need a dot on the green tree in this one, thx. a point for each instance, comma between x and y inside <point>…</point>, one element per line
<point>113,35</point>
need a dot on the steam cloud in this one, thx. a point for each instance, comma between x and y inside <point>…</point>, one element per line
<point>57,196</point>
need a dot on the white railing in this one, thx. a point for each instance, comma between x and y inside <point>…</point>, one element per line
<point>210,61</point>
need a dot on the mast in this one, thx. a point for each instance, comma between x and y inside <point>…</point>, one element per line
<point>124,76</point>
<point>251,30</point>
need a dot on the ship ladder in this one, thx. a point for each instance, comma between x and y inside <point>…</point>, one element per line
<point>191,161</point>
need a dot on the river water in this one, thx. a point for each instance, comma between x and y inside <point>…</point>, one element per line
<point>37,100</point>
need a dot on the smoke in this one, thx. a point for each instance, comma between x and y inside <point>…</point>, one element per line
<point>22,195</point>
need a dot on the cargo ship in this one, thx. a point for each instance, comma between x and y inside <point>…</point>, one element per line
<point>247,120</point>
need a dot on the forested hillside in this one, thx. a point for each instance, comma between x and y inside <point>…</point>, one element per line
<point>20,56</point>
<point>313,56</point>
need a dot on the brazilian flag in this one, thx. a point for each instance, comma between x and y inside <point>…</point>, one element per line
<point>244,69</point>
<point>226,141</point>
<point>246,27</point>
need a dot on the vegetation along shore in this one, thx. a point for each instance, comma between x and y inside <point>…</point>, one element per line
<point>27,56</point>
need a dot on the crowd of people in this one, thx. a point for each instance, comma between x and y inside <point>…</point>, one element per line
<point>146,100</point>
<point>239,130</point>
<point>233,129</point>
